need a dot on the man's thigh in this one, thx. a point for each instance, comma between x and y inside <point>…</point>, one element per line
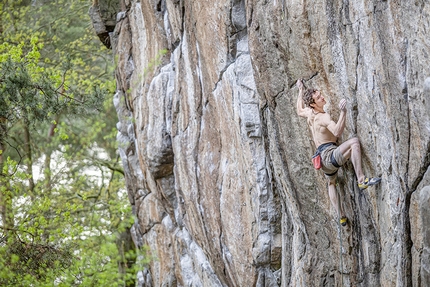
<point>346,147</point>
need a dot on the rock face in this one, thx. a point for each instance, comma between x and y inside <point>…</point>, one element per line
<point>103,16</point>
<point>217,161</point>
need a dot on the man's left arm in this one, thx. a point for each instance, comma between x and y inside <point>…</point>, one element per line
<point>337,128</point>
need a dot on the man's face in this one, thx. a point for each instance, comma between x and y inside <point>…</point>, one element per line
<point>318,99</point>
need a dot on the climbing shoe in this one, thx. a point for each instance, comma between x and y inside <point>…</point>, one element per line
<point>343,221</point>
<point>368,182</point>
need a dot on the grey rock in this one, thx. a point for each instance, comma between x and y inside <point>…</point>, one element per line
<point>103,16</point>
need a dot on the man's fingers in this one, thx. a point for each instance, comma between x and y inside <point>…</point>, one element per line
<point>299,84</point>
<point>342,104</point>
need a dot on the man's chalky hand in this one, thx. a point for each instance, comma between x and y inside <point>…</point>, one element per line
<point>299,84</point>
<point>342,105</point>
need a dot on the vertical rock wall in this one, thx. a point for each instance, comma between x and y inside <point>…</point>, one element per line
<point>218,163</point>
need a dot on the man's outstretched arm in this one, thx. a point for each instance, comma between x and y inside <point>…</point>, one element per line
<point>301,109</point>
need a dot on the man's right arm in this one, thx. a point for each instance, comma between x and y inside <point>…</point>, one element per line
<point>302,111</point>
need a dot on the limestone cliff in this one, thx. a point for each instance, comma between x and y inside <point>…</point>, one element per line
<point>217,162</point>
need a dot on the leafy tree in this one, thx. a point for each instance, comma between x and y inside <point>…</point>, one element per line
<point>63,205</point>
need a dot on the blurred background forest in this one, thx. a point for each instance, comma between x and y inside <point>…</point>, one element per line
<point>64,212</point>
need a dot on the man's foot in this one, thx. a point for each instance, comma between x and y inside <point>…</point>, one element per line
<point>343,220</point>
<point>368,182</point>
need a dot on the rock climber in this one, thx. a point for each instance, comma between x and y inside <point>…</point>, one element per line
<point>325,133</point>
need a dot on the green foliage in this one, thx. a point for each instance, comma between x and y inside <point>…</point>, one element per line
<point>33,260</point>
<point>47,65</point>
<point>29,93</point>
<point>64,208</point>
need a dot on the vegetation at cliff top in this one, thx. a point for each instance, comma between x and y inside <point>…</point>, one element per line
<point>64,211</point>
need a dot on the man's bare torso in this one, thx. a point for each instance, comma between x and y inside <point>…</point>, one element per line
<point>320,125</point>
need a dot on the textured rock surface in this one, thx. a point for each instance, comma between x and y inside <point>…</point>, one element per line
<point>218,163</point>
<point>103,17</point>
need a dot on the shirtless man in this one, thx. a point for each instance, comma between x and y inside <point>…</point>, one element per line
<point>325,133</point>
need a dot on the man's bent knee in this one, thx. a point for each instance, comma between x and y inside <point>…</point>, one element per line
<point>348,146</point>
<point>356,145</point>
<point>355,141</point>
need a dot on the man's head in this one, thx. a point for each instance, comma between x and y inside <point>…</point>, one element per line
<point>313,98</point>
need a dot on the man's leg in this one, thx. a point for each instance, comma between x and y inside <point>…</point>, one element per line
<point>334,198</point>
<point>351,149</point>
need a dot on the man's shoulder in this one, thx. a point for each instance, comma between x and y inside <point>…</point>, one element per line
<point>307,112</point>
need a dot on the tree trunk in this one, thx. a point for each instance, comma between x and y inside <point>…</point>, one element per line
<point>47,166</point>
<point>29,159</point>
<point>128,259</point>
<point>5,196</point>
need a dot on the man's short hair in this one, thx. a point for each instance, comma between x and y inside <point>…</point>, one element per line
<point>307,97</point>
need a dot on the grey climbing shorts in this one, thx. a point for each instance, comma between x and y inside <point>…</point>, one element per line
<point>332,159</point>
